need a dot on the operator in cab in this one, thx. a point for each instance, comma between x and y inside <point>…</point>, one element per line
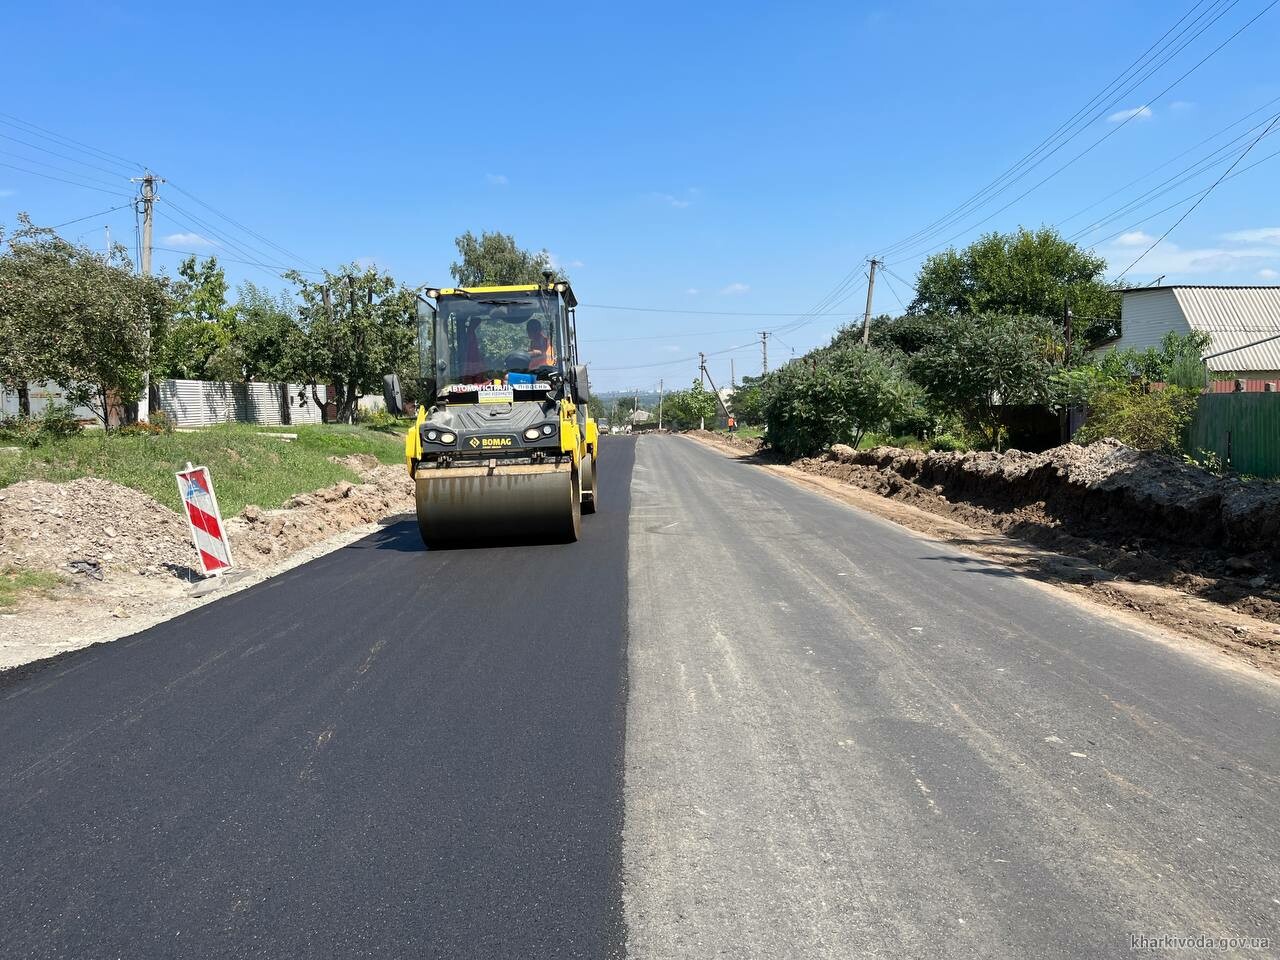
<point>541,351</point>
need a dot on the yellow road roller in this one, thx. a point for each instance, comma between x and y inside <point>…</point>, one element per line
<point>507,450</point>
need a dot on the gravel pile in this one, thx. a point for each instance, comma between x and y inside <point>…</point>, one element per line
<point>90,526</point>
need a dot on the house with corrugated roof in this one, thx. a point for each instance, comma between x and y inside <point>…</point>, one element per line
<point>1238,320</point>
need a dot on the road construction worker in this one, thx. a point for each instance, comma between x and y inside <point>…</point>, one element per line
<point>541,351</point>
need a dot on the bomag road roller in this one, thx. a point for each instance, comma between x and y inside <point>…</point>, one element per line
<point>507,448</point>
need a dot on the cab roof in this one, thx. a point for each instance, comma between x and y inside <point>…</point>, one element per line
<point>564,289</point>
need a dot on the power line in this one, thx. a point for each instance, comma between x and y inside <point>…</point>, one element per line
<point>48,166</point>
<point>74,183</point>
<point>1007,179</point>
<point>1245,153</point>
<point>719,313</point>
<point>248,230</point>
<point>222,259</point>
<point>63,156</point>
<point>45,134</point>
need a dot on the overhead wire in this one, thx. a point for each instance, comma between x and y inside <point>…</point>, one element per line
<point>1007,180</point>
<point>32,129</point>
<point>73,183</point>
<point>1201,199</point>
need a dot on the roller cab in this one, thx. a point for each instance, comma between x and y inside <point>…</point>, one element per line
<point>507,451</point>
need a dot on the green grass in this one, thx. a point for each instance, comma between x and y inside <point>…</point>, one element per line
<point>747,433</point>
<point>15,583</point>
<point>246,467</point>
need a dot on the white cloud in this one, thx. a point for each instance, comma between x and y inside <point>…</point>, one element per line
<point>1268,274</point>
<point>692,291</point>
<point>1181,105</point>
<point>673,348</point>
<point>679,201</point>
<point>1181,265</point>
<point>8,193</point>
<point>1134,238</point>
<point>497,179</point>
<point>559,264</point>
<point>1259,235</point>
<point>1139,113</point>
<point>734,289</point>
<point>187,240</point>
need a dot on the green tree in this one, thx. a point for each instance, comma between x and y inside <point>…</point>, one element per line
<point>494,259</point>
<point>80,319</point>
<point>690,408</point>
<point>202,342</point>
<point>595,406</point>
<point>1028,272</point>
<point>975,365</point>
<point>355,326</point>
<point>747,402</point>
<point>835,396</point>
<point>267,331</point>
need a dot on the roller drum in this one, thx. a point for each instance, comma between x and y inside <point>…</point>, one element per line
<point>463,505</point>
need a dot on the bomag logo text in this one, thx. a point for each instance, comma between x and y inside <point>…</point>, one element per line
<point>489,443</point>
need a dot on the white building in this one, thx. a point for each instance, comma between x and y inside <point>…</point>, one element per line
<point>1232,316</point>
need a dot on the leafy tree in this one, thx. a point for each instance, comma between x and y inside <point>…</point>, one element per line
<point>1177,352</point>
<point>495,260</point>
<point>201,343</point>
<point>835,397</point>
<point>747,402</point>
<point>978,364</point>
<point>690,408</point>
<point>355,326</point>
<point>80,319</point>
<point>595,406</point>
<point>1028,272</point>
<point>267,332</point>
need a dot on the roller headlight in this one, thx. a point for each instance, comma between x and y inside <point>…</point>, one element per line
<point>547,429</point>
<point>448,437</point>
<point>532,433</point>
<point>431,435</point>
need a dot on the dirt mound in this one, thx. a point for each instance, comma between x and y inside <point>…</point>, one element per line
<point>261,537</point>
<point>1105,489</point>
<point>96,525</point>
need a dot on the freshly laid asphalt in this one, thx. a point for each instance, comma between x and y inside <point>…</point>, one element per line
<point>737,719</point>
<point>387,752</point>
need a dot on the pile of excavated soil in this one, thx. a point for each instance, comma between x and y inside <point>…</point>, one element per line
<point>261,537</point>
<point>90,526</point>
<point>1141,516</point>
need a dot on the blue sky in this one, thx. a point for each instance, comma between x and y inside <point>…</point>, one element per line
<point>735,157</point>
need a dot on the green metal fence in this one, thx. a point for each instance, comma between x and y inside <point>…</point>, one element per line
<point>1243,429</point>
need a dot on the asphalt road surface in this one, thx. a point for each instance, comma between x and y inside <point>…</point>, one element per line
<point>830,738</point>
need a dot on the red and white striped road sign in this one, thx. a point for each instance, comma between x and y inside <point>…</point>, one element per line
<point>204,518</point>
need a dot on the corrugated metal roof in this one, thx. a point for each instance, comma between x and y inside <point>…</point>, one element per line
<point>1235,316</point>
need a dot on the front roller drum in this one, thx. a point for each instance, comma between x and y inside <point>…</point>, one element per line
<point>590,483</point>
<point>462,505</point>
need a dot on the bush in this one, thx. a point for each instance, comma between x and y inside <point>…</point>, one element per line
<point>58,420</point>
<point>1148,421</point>
<point>378,420</point>
<point>836,397</point>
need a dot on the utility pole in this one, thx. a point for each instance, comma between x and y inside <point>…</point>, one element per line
<point>147,200</point>
<point>659,404</point>
<point>866,319</point>
<point>733,377</point>
<point>702,368</point>
<point>107,228</point>
<point>764,352</point>
<point>707,373</point>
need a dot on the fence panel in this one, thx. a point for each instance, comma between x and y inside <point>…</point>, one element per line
<point>1243,429</point>
<point>197,403</point>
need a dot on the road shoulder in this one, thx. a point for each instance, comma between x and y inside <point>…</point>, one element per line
<point>1161,613</point>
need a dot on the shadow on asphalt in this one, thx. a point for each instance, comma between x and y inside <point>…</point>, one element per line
<point>401,535</point>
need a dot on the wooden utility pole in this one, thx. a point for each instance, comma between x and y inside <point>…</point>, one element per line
<point>146,202</point>
<point>764,352</point>
<point>866,318</point>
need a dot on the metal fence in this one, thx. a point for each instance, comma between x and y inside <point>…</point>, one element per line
<point>197,403</point>
<point>1243,429</point>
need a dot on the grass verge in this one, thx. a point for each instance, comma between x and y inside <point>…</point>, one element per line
<point>247,467</point>
<point>16,583</point>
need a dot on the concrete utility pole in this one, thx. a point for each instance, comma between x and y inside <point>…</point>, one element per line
<point>764,352</point>
<point>719,399</point>
<point>146,200</point>
<point>659,404</point>
<point>733,377</point>
<point>702,368</point>
<point>107,228</point>
<point>866,319</point>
